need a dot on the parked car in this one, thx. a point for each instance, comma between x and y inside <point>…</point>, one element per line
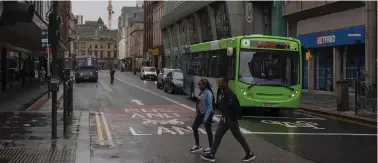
<point>162,75</point>
<point>173,82</point>
<point>148,73</point>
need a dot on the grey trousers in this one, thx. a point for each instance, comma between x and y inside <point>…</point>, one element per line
<point>223,126</point>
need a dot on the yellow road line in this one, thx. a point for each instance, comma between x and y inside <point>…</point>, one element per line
<point>108,133</point>
<point>99,130</point>
<point>342,119</point>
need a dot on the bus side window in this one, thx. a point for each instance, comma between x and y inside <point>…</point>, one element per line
<point>213,69</point>
<point>231,66</point>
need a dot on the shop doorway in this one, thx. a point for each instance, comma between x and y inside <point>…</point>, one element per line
<point>305,71</point>
<point>324,69</point>
<point>354,63</point>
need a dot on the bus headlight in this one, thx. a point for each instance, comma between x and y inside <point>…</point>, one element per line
<point>295,93</point>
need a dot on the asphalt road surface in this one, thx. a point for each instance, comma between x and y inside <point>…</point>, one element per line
<point>134,122</point>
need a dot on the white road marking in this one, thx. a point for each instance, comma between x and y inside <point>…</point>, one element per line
<point>312,134</point>
<point>244,131</point>
<point>299,112</point>
<point>137,101</point>
<point>263,117</point>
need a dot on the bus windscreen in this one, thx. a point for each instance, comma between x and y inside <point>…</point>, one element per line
<point>86,62</point>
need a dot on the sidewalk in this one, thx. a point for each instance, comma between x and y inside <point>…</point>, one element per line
<point>26,136</point>
<point>325,102</point>
<point>17,98</point>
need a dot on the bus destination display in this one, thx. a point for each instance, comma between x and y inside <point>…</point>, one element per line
<point>273,45</point>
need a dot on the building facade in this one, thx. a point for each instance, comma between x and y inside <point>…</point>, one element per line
<point>148,33</point>
<point>186,23</point>
<point>340,48</point>
<point>124,35</point>
<point>93,38</point>
<point>158,59</point>
<point>20,44</point>
<point>80,19</point>
<point>136,39</point>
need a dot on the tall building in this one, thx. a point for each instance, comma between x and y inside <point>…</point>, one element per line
<point>136,39</point>
<point>339,47</point>
<point>158,59</point>
<point>124,34</point>
<point>79,19</point>
<point>186,23</point>
<point>148,33</point>
<point>96,40</point>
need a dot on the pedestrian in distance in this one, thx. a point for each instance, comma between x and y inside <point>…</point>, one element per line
<point>42,74</point>
<point>204,114</point>
<point>231,111</point>
<point>112,72</point>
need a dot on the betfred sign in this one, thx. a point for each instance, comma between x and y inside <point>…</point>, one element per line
<point>325,39</point>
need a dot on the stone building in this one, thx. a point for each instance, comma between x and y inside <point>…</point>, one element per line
<point>136,39</point>
<point>93,38</point>
<point>124,35</point>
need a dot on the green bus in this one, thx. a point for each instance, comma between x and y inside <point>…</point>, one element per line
<point>264,71</point>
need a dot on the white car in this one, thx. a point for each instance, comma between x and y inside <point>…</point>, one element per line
<point>148,73</point>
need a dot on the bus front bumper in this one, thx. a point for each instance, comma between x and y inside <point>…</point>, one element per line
<point>293,102</point>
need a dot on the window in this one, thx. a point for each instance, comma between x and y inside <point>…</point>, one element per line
<point>102,54</point>
<point>115,45</point>
<point>205,25</point>
<point>115,54</point>
<point>95,46</point>
<point>109,54</point>
<point>96,53</point>
<point>108,45</point>
<point>90,45</point>
<point>221,20</point>
<point>101,46</point>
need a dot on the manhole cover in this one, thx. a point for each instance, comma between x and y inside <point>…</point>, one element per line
<point>37,155</point>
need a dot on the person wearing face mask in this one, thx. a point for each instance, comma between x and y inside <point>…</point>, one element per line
<point>204,114</point>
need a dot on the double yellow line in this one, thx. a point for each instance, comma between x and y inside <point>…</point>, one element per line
<point>99,129</point>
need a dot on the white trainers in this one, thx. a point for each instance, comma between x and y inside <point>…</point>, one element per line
<point>207,150</point>
<point>195,148</point>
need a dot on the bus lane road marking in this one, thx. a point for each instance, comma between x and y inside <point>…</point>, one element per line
<point>244,131</point>
<point>137,102</point>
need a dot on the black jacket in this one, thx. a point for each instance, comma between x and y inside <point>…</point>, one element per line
<point>229,105</point>
<point>112,72</point>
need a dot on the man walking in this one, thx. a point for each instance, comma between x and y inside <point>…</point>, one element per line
<point>230,108</point>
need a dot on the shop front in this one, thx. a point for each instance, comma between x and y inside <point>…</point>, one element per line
<point>334,54</point>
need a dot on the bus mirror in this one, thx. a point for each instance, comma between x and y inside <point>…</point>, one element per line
<point>229,51</point>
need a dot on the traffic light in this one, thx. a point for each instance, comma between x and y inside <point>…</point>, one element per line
<point>15,11</point>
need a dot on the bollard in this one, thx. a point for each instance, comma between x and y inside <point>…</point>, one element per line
<point>342,96</point>
<point>65,104</point>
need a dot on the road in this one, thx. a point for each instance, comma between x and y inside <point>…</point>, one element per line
<point>132,121</point>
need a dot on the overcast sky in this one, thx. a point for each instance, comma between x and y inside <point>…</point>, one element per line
<point>91,10</point>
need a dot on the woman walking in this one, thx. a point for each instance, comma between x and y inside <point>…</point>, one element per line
<point>204,114</point>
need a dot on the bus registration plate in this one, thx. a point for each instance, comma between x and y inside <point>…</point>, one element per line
<point>270,105</point>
